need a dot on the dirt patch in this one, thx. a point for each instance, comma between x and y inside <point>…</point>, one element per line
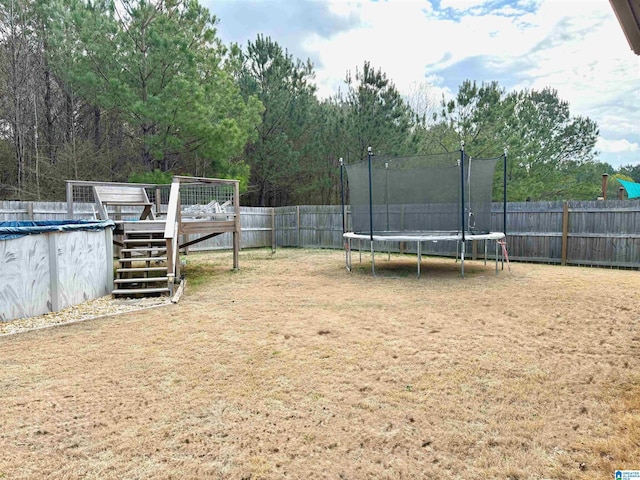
<point>294,368</point>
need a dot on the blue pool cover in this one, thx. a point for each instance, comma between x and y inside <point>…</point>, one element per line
<point>9,230</point>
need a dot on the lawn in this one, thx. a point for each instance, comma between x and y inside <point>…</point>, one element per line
<point>293,367</point>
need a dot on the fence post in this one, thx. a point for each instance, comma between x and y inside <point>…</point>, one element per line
<point>30,211</point>
<point>605,178</point>
<point>565,232</point>
<point>237,228</point>
<point>273,229</point>
<point>298,223</point>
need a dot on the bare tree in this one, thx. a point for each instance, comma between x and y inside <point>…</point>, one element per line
<point>15,102</point>
<point>423,100</point>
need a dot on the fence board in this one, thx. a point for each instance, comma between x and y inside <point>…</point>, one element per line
<point>599,233</point>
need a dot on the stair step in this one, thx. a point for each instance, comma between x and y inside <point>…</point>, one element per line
<point>143,249</point>
<point>152,232</point>
<point>133,291</point>
<point>159,231</point>
<point>141,269</point>
<point>142,259</point>
<point>144,241</point>
<point>141,280</point>
<point>139,223</point>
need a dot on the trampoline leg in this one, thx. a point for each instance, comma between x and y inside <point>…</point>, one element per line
<point>485,253</point>
<point>419,259</point>
<point>347,254</point>
<point>360,250</point>
<point>496,241</point>
<point>462,258</point>
<point>373,260</point>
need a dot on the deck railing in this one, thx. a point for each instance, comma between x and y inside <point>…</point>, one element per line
<point>171,231</point>
<point>212,204</point>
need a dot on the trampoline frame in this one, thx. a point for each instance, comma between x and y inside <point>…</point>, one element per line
<point>418,238</point>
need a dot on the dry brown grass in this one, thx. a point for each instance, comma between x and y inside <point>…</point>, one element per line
<point>294,368</point>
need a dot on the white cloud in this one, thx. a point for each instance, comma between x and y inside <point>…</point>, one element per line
<point>585,57</point>
<point>616,146</point>
<point>409,42</point>
<point>394,38</point>
<point>618,120</point>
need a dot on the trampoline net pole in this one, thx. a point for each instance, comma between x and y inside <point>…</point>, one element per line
<point>347,244</point>
<point>504,194</point>
<point>406,198</point>
<point>504,199</point>
<point>369,155</point>
<point>342,194</point>
<point>386,190</point>
<point>462,209</point>
<point>419,193</point>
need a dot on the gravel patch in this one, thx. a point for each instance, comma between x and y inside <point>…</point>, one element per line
<point>99,307</point>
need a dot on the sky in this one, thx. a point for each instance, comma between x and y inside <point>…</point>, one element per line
<point>429,47</point>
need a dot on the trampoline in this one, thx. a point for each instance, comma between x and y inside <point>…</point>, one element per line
<point>426,198</point>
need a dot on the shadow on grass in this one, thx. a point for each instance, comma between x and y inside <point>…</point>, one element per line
<point>200,272</point>
<point>436,267</point>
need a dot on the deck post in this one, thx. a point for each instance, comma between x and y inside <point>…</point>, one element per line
<point>108,244</point>
<point>237,227</point>
<point>158,200</point>
<point>69,199</point>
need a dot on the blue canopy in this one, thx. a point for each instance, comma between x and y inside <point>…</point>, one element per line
<point>9,230</point>
<point>632,188</point>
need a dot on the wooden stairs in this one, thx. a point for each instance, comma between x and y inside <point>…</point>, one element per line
<point>149,261</point>
<point>142,267</point>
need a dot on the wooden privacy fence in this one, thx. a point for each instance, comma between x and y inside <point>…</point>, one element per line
<point>256,223</point>
<point>596,233</point>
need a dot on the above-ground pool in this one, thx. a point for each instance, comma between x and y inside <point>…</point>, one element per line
<point>49,265</point>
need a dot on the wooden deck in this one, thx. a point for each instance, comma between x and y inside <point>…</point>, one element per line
<point>160,231</point>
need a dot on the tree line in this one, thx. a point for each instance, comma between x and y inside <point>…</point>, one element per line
<point>139,90</point>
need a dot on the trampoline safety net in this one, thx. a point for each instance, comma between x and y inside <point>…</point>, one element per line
<point>422,194</point>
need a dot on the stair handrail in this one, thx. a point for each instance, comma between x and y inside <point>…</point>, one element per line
<point>171,227</point>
